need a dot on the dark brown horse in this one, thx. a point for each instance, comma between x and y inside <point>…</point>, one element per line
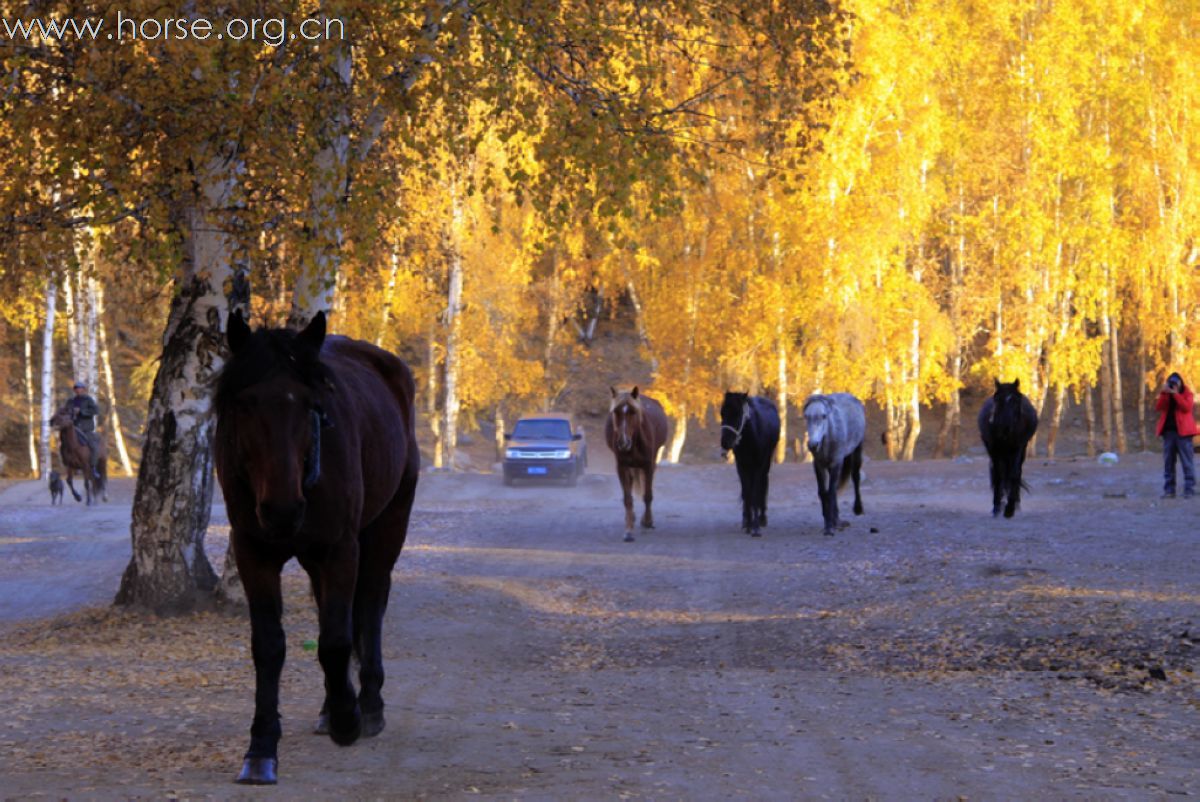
<point>635,430</point>
<point>1007,422</point>
<point>317,458</point>
<point>76,455</point>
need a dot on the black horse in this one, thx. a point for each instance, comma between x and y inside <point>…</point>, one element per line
<point>317,459</point>
<point>1007,422</point>
<point>750,428</point>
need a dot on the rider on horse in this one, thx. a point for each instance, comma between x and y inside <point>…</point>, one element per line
<point>84,410</point>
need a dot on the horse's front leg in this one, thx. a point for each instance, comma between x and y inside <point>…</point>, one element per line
<point>260,579</point>
<point>648,497</point>
<point>823,492</point>
<point>625,475</point>
<point>337,578</point>
<point>71,484</point>
<point>835,518</point>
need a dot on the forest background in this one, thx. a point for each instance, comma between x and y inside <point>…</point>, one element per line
<point>531,200</point>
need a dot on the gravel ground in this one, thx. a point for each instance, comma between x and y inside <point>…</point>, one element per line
<point>928,651</point>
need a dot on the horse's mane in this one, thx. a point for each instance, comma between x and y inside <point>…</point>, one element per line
<point>266,354</point>
<point>635,402</point>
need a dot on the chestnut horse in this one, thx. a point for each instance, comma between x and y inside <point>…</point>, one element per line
<point>75,455</point>
<point>316,455</point>
<point>635,430</point>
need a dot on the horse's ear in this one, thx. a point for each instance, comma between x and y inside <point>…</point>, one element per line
<point>633,393</point>
<point>612,390</point>
<point>1016,384</point>
<point>313,335</point>
<point>237,332</point>
<point>997,381</point>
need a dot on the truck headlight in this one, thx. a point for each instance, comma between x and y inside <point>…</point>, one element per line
<point>564,453</point>
<point>512,453</point>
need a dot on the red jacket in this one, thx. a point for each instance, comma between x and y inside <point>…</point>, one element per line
<point>1184,422</point>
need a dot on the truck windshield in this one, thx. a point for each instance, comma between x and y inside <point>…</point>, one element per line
<point>542,430</point>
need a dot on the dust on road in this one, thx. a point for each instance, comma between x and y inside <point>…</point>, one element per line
<point>531,653</point>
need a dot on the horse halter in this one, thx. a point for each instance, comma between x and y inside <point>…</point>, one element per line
<point>737,433</point>
<point>312,460</point>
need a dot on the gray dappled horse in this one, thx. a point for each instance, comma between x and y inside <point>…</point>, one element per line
<point>837,426</point>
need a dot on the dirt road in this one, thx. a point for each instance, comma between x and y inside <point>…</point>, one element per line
<point>927,651</point>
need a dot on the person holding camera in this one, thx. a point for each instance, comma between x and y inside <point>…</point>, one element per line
<point>1176,427</point>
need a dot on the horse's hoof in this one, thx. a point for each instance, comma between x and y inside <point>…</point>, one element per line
<point>372,724</point>
<point>259,771</point>
<point>322,725</point>
<point>1009,513</point>
<point>829,533</point>
<point>996,512</point>
<point>843,524</point>
<point>647,524</point>
<point>629,537</point>
<point>755,533</point>
<point>344,728</point>
<point>858,509</point>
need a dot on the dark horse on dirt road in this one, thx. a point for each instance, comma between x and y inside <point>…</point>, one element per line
<point>837,426</point>
<point>75,450</point>
<point>635,430</point>
<point>750,428</point>
<point>317,459</point>
<point>1007,422</point>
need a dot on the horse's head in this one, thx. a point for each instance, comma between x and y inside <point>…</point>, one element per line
<point>1006,406</point>
<point>64,417</point>
<point>269,417</point>
<point>626,414</point>
<point>735,411</point>
<point>816,422</point>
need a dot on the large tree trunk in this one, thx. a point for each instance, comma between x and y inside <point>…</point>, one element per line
<point>1060,402</point>
<point>1118,398</point>
<point>47,378</point>
<point>1089,415</point>
<point>914,401</point>
<point>453,308</point>
<point>431,401</point>
<point>169,571</point>
<point>679,436</point>
<point>318,279</point>
<point>1142,401</point>
<point>781,397</point>
<point>30,405</point>
<point>110,386</point>
<point>1106,395</point>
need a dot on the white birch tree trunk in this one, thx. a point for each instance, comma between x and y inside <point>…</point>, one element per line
<point>47,378</point>
<point>169,570</point>
<point>679,436</point>
<point>30,405</point>
<point>92,337</point>
<point>109,385</point>
<point>70,312</point>
<point>453,307</point>
<point>317,284</point>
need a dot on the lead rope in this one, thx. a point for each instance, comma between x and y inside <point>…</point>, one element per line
<point>312,462</point>
<point>737,433</point>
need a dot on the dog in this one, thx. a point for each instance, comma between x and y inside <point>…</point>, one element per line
<point>56,488</point>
